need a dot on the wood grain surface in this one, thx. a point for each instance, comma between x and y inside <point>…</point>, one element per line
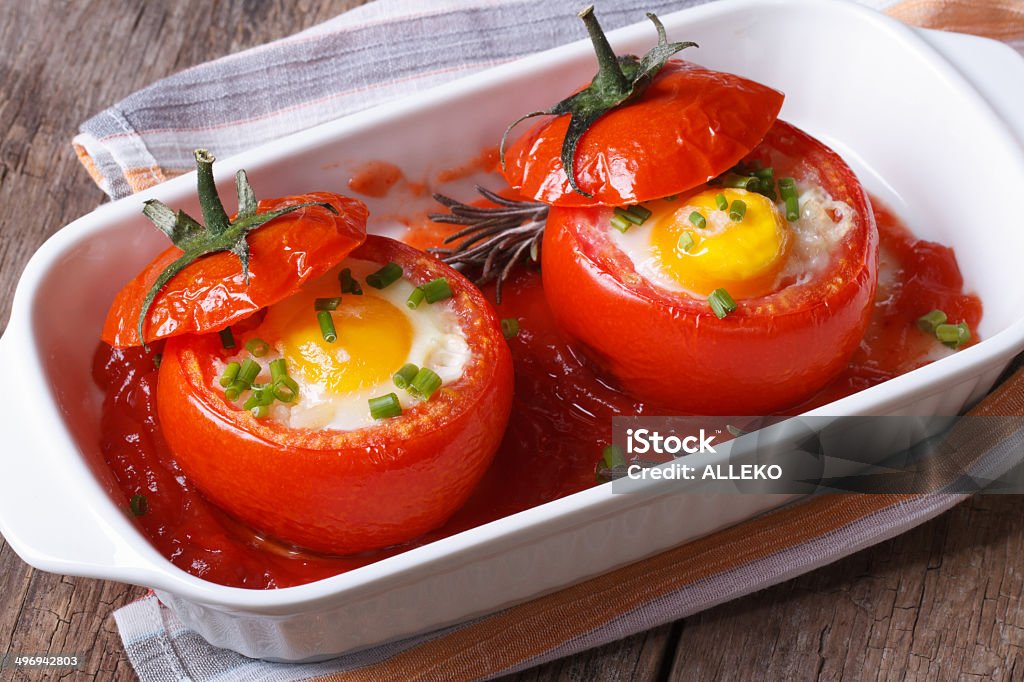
<point>940,602</point>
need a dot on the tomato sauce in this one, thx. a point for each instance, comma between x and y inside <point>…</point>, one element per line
<point>375,179</point>
<point>561,420</point>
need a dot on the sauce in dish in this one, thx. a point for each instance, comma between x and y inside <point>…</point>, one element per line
<point>561,420</point>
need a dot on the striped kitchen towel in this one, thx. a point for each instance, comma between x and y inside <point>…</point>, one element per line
<point>149,137</point>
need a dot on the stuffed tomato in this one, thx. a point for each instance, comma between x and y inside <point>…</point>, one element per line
<point>704,310</point>
<point>712,258</point>
<point>335,391</point>
<point>325,471</point>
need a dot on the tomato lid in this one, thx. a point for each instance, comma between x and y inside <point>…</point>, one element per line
<point>641,129</point>
<point>305,236</point>
<point>692,124</point>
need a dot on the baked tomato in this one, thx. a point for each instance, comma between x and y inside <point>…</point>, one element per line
<point>804,285</point>
<point>321,468</point>
<point>212,293</point>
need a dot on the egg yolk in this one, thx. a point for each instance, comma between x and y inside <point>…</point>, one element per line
<point>742,256</point>
<point>374,338</point>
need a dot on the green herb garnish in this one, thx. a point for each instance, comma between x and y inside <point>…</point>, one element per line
<point>721,303</point>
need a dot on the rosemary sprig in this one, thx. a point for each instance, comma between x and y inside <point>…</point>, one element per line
<point>494,239</point>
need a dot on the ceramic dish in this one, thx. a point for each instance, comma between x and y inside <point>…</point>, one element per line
<point>922,118</point>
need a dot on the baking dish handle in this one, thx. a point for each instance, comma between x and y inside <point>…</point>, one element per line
<point>44,515</point>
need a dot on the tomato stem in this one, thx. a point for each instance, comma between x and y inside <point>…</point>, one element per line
<point>609,73</point>
<point>209,199</point>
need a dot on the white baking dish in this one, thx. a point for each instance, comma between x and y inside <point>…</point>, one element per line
<point>934,144</point>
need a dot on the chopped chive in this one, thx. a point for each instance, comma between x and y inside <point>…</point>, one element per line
<point>327,303</point>
<point>699,220</point>
<point>404,376</point>
<point>157,359</point>
<point>278,370</point>
<point>685,241</point>
<point>766,174</point>
<point>737,210</point>
<point>630,215</point>
<point>385,277</point>
<point>620,223</point>
<point>262,396</point>
<point>138,505</point>
<point>283,387</point>
<point>437,290</point>
<point>953,335</point>
<point>261,411</point>
<point>741,182</point>
<point>929,321</point>
<point>385,406</point>
<point>721,303</point>
<point>792,209</point>
<point>327,326</point>
<point>721,202</point>
<point>425,383</point>
<point>248,372</point>
<point>230,374</point>
<point>510,327</point>
<point>613,457</point>
<point>227,339</point>
<point>234,391</point>
<point>787,187</point>
<point>349,285</point>
<point>415,298</point>
<point>286,390</point>
<point>257,347</point>
<point>640,210</point>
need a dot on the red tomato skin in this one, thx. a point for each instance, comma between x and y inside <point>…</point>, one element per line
<point>211,293</point>
<point>343,492</point>
<point>691,125</point>
<point>771,353</point>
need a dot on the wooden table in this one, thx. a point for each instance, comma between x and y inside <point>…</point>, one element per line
<point>940,602</point>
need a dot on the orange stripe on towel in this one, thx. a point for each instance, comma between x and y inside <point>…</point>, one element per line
<point>999,19</point>
<point>90,167</point>
<point>143,178</point>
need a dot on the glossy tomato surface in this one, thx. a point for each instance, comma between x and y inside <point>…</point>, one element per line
<point>211,293</point>
<point>771,353</point>
<point>341,492</point>
<point>689,126</point>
